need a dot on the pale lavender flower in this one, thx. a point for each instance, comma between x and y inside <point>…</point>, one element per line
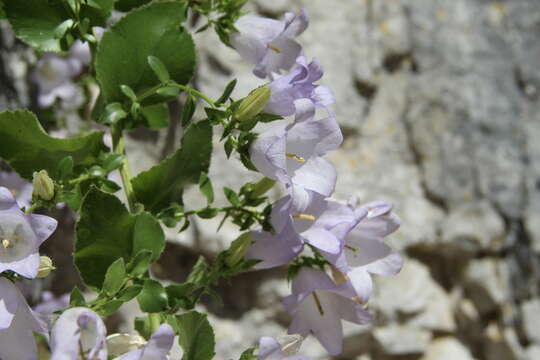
<point>20,188</point>
<point>157,348</point>
<point>298,84</point>
<point>20,236</point>
<point>54,74</point>
<point>269,44</point>
<point>270,349</point>
<point>323,224</point>
<point>318,305</point>
<point>365,252</point>
<point>17,324</point>
<point>49,303</point>
<point>78,330</point>
<point>292,154</point>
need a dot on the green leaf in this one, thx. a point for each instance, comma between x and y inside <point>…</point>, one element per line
<point>189,110</point>
<point>160,36</point>
<point>155,116</point>
<point>140,263</point>
<point>26,147</point>
<point>64,168</point>
<point>159,69</point>
<point>227,92</point>
<point>205,185</point>
<point>163,184</point>
<point>153,297</point>
<point>106,232</point>
<point>113,113</point>
<point>36,21</point>
<point>231,196</point>
<point>110,307</point>
<point>148,236</point>
<point>128,92</point>
<point>143,327</point>
<point>76,298</point>
<point>200,273</point>
<point>129,293</point>
<point>127,5</point>
<point>248,354</point>
<point>180,295</point>
<point>196,336</point>
<point>114,277</point>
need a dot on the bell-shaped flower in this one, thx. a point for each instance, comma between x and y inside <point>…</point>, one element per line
<point>78,334</point>
<point>318,305</point>
<point>20,236</point>
<point>298,84</point>
<point>271,349</point>
<point>157,348</point>
<point>269,44</point>
<point>17,324</point>
<point>323,224</point>
<point>292,154</point>
<point>20,188</point>
<point>365,252</point>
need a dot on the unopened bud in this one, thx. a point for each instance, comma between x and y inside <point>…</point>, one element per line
<point>238,249</point>
<point>43,185</point>
<point>253,104</point>
<point>45,266</point>
<point>119,344</point>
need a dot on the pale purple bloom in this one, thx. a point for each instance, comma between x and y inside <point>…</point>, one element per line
<point>269,44</point>
<point>157,347</point>
<point>53,75</point>
<point>20,188</point>
<point>298,84</point>
<point>20,236</point>
<point>78,329</point>
<point>270,349</point>
<point>17,324</point>
<point>292,154</point>
<point>366,253</point>
<point>318,305</point>
<point>323,224</point>
<point>49,303</point>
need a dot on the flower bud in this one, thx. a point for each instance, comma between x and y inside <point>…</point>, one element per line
<point>43,185</point>
<point>119,344</point>
<point>253,104</point>
<point>238,249</point>
<point>45,266</point>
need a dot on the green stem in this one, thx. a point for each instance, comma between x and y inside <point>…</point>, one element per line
<point>120,148</point>
<point>193,92</point>
<point>155,321</point>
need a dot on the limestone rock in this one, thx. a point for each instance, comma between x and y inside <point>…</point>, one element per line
<point>488,283</point>
<point>530,312</point>
<point>402,340</point>
<point>446,348</point>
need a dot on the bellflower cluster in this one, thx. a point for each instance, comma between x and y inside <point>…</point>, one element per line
<point>79,333</point>
<point>347,237</point>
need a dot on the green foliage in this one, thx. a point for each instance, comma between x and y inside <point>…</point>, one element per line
<point>114,277</point>
<point>195,335</point>
<point>107,232</point>
<point>76,298</point>
<point>163,184</point>
<point>51,25</point>
<point>153,297</point>
<point>26,147</point>
<point>248,354</point>
<point>151,30</point>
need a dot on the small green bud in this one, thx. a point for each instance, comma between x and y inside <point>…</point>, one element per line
<point>43,185</point>
<point>253,104</point>
<point>45,266</point>
<point>238,249</point>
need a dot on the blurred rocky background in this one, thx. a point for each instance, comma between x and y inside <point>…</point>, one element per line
<point>439,104</point>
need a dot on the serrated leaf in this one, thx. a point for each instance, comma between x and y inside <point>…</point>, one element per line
<point>114,277</point>
<point>106,232</point>
<point>25,146</point>
<point>189,110</point>
<point>148,235</point>
<point>163,184</point>
<point>153,297</point>
<point>129,293</point>
<point>110,307</point>
<point>196,336</point>
<point>161,36</point>
<point>140,263</point>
